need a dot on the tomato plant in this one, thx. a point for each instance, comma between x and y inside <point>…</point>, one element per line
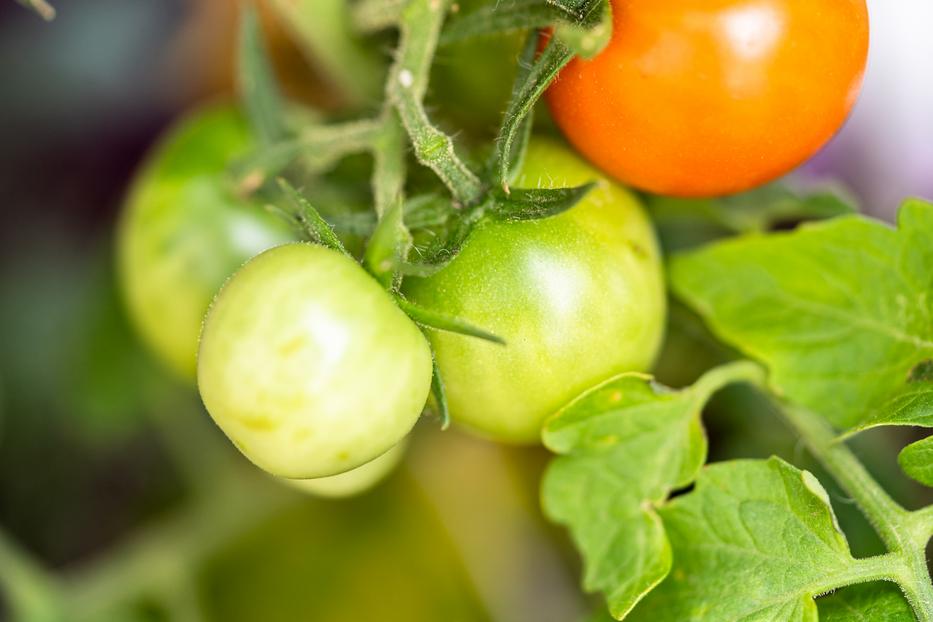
<point>709,98</point>
<point>512,288</point>
<point>555,290</point>
<point>308,366</point>
<point>183,232</point>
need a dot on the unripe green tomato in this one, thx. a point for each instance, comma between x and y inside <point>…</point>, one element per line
<point>183,233</point>
<point>355,481</point>
<point>309,366</point>
<point>578,297</point>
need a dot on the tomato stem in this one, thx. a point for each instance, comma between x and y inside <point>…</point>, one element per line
<point>420,28</point>
<point>896,527</point>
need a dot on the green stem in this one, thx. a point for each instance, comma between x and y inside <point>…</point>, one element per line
<point>32,593</point>
<point>324,32</point>
<point>887,567</point>
<point>389,170</point>
<point>894,524</point>
<point>320,147</point>
<point>420,27</point>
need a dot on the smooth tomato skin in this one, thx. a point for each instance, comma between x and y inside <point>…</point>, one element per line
<point>354,481</point>
<point>578,298</point>
<point>182,233</point>
<point>309,366</point>
<point>712,97</point>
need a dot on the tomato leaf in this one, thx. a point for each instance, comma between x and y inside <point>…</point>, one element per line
<point>516,156</point>
<point>525,94</point>
<point>439,321</point>
<point>257,83</point>
<point>916,460</point>
<point>440,396</point>
<point>624,446</point>
<point>868,602</point>
<point>311,221</point>
<point>686,223</point>
<point>756,540</point>
<point>841,311</point>
<point>537,203</point>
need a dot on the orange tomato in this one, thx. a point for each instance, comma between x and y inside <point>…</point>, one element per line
<point>711,97</point>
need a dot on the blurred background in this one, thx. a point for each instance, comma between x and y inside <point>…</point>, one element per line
<point>117,494</point>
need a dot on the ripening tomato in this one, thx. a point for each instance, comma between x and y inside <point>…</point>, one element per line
<point>183,233</point>
<point>711,97</point>
<point>309,366</point>
<point>578,297</point>
<point>354,481</point>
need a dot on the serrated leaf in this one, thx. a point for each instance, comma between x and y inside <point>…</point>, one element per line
<point>916,460</point>
<point>258,87</point>
<point>868,602</point>
<point>756,540</point>
<point>537,203</point>
<point>624,447</point>
<point>841,311</point>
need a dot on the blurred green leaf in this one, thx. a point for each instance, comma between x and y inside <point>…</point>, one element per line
<point>258,87</point>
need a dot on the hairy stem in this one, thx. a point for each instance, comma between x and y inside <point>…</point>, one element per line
<point>389,170</point>
<point>420,27</point>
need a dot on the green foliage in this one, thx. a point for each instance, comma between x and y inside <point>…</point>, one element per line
<point>917,461</point>
<point>868,602</point>
<point>839,311</point>
<point>624,447</point>
<point>756,540</point>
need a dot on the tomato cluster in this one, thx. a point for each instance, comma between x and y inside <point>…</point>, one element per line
<point>307,361</point>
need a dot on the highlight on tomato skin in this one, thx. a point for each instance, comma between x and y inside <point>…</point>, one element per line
<point>702,98</point>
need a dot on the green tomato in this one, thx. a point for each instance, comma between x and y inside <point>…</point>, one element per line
<point>308,365</point>
<point>578,297</point>
<point>183,233</point>
<point>355,481</point>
